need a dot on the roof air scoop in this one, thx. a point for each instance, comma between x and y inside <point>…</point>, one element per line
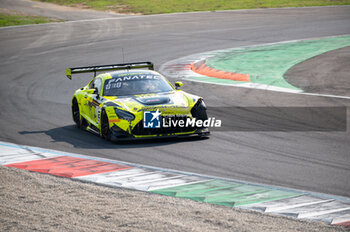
<point>153,100</point>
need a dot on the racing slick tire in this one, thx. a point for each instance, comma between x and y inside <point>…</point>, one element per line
<point>76,113</point>
<point>199,111</point>
<point>105,131</point>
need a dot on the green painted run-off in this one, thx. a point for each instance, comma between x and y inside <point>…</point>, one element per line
<point>267,64</point>
<point>227,193</point>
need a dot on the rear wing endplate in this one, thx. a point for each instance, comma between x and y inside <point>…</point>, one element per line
<point>100,68</point>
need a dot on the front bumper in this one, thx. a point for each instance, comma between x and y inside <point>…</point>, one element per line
<point>118,134</point>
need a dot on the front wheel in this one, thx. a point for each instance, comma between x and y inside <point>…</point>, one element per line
<point>199,111</point>
<point>105,131</point>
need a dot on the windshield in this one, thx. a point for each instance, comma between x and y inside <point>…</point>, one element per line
<point>134,84</point>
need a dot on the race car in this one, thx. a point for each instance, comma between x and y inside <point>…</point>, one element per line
<point>132,101</point>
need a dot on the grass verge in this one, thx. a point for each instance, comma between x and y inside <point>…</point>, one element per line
<point>11,18</point>
<point>172,6</point>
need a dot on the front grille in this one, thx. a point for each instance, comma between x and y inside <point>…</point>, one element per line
<point>140,130</point>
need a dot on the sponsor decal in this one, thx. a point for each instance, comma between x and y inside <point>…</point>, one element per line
<point>114,120</point>
<point>116,82</point>
<point>98,114</point>
<point>152,108</point>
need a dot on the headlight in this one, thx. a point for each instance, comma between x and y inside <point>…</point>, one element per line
<point>124,114</point>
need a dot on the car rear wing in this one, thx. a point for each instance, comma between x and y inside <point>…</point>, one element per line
<point>100,68</point>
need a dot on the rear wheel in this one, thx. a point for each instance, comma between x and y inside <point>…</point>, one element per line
<point>105,131</point>
<point>76,113</point>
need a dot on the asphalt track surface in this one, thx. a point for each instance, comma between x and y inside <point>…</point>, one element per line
<point>35,95</point>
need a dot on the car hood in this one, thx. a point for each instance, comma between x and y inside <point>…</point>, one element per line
<point>173,102</point>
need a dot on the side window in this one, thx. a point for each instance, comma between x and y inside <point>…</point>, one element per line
<point>96,84</point>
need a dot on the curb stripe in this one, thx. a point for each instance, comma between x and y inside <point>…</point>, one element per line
<point>11,154</point>
<point>220,191</point>
<point>168,70</point>
<point>67,166</point>
<point>346,224</point>
<point>319,213</point>
<point>280,208</point>
<point>57,153</point>
<point>202,68</point>
<point>141,179</point>
<point>226,193</point>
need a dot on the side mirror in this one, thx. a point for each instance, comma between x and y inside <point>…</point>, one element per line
<point>178,84</point>
<point>91,91</point>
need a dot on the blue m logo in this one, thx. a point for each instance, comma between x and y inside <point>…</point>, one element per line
<point>151,119</point>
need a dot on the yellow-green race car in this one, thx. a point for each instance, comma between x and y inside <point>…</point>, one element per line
<point>133,101</point>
